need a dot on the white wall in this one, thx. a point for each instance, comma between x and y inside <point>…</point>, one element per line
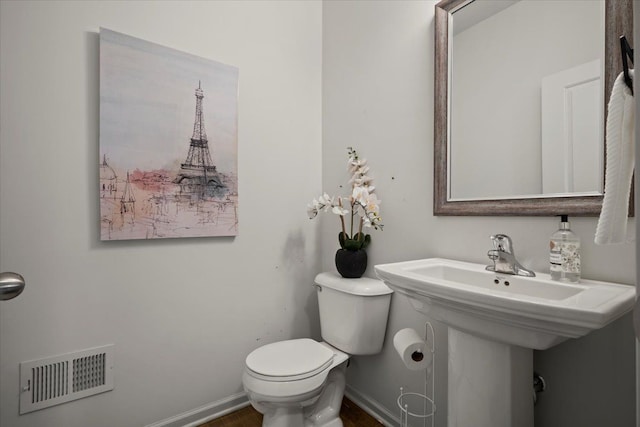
<point>182,313</point>
<point>378,97</point>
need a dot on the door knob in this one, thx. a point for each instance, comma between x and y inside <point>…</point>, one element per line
<point>11,285</point>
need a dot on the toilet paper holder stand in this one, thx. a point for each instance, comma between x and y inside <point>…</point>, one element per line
<point>408,401</point>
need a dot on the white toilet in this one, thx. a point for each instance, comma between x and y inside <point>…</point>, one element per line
<point>301,382</point>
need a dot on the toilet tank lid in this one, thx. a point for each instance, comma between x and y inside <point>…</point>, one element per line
<point>364,286</point>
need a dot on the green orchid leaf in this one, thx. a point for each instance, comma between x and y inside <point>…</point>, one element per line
<point>342,238</point>
<point>352,245</point>
<point>367,241</point>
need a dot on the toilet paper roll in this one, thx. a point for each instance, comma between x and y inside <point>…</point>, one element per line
<point>412,349</point>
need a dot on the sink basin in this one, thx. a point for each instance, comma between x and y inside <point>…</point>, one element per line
<point>532,312</point>
<point>494,323</point>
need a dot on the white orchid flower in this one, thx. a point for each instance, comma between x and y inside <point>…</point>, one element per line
<point>373,203</point>
<point>362,170</point>
<point>372,220</point>
<point>325,199</point>
<point>361,181</point>
<point>339,210</point>
<point>355,164</point>
<point>360,195</point>
<point>312,211</point>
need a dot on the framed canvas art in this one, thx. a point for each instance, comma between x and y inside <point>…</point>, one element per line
<point>168,142</point>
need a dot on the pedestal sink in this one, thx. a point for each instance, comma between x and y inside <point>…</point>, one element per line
<point>495,321</point>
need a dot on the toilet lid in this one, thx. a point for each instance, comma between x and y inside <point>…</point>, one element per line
<point>293,358</point>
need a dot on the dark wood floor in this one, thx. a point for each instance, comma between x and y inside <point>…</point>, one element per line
<point>350,413</point>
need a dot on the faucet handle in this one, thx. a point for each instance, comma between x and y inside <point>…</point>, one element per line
<point>502,242</point>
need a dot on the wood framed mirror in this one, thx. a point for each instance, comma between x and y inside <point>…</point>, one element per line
<point>617,21</point>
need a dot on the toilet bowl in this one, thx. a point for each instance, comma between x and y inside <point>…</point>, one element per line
<point>296,383</point>
<point>301,382</point>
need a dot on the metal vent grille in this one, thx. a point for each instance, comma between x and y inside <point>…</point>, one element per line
<point>88,372</point>
<point>60,379</point>
<point>49,381</point>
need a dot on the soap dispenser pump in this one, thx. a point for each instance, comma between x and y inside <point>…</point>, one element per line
<point>564,254</point>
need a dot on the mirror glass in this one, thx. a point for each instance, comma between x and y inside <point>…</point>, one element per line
<point>526,99</point>
<point>519,104</point>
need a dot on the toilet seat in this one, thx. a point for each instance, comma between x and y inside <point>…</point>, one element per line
<point>293,376</point>
<point>290,360</point>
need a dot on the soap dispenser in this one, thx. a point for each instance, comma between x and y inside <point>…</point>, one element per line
<point>564,254</point>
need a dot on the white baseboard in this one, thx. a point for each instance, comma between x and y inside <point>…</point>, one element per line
<point>238,401</point>
<point>372,407</point>
<point>205,413</point>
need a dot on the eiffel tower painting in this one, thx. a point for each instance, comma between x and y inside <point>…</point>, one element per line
<point>159,177</point>
<point>198,176</point>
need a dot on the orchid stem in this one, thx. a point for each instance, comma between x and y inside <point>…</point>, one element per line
<point>344,230</point>
<point>352,215</point>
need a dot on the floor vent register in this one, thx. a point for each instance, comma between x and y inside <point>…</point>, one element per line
<point>55,380</point>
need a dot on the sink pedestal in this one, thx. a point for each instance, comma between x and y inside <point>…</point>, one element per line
<point>490,383</point>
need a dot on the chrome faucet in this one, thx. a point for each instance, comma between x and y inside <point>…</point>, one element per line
<point>504,258</point>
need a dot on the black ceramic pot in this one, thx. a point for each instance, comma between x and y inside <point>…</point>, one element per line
<point>351,264</point>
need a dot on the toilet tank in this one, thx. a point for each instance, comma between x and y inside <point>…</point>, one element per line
<point>353,312</point>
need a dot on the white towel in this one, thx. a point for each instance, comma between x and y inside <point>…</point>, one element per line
<point>612,225</point>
